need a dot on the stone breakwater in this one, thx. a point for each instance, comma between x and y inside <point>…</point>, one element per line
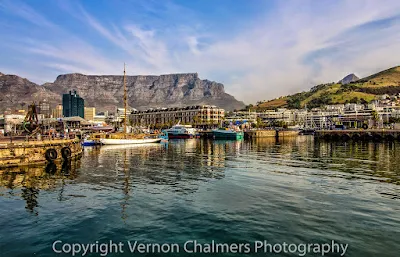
<point>24,153</point>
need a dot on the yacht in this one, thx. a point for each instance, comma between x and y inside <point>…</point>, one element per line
<point>127,138</point>
<point>181,132</point>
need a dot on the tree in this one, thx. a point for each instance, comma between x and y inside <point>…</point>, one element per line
<point>260,123</point>
<point>249,107</point>
<point>355,100</point>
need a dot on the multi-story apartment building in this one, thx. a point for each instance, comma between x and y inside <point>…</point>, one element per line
<point>242,117</point>
<point>285,115</point>
<point>199,116</point>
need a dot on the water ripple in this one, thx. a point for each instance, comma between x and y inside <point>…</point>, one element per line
<point>293,190</point>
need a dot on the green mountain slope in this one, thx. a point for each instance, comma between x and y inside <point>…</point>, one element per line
<point>360,91</point>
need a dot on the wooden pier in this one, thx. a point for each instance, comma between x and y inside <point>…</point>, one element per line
<point>369,134</point>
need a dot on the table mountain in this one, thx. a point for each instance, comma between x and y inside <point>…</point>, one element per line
<point>145,91</point>
<point>105,92</point>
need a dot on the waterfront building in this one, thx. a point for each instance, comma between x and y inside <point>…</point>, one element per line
<point>44,108</point>
<point>242,117</point>
<point>12,122</point>
<point>320,119</point>
<point>198,115</point>
<point>73,105</point>
<point>335,107</point>
<point>285,115</point>
<point>99,118</point>
<point>90,112</point>
<point>75,123</point>
<point>120,113</point>
<point>354,107</point>
<point>57,112</point>
<point>2,124</point>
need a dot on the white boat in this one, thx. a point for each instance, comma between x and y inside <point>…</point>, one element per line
<point>181,132</point>
<point>131,146</point>
<point>127,141</point>
<point>113,141</point>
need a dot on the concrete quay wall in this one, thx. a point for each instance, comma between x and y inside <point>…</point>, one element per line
<point>21,153</point>
<point>270,133</point>
<point>369,134</point>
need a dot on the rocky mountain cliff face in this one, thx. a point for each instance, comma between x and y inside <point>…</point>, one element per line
<point>106,92</point>
<point>17,92</point>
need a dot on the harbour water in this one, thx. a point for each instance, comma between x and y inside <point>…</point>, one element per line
<point>294,191</point>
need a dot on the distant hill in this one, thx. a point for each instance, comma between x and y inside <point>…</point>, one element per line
<point>18,93</point>
<point>348,79</point>
<point>349,89</point>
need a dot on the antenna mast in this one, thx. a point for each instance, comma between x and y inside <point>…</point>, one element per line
<point>125,104</point>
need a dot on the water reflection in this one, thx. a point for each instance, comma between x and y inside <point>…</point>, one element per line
<point>182,165</point>
<point>365,160</point>
<point>29,181</point>
<point>30,195</point>
<point>163,164</point>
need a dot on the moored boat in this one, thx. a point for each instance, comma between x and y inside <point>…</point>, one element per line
<point>226,133</point>
<point>122,141</point>
<point>124,138</point>
<point>89,142</point>
<point>164,137</point>
<point>106,148</point>
<point>180,132</point>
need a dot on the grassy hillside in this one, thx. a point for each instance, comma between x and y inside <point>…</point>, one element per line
<point>275,103</point>
<point>361,91</point>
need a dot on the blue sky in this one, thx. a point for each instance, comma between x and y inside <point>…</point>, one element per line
<point>259,49</point>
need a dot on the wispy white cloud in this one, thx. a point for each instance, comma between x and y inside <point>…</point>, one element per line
<point>25,12</point>
<point>289,48</point>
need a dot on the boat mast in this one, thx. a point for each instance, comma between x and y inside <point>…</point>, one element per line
<point>125,105</point>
